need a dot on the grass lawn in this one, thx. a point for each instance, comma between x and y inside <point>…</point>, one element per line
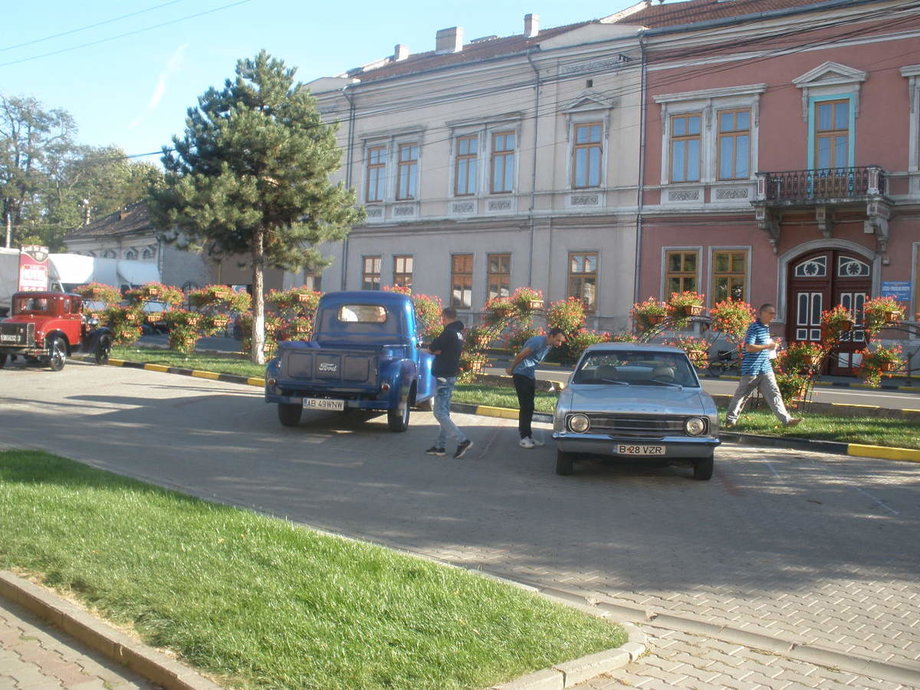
<point>261,603</point>
<point>899,433</point>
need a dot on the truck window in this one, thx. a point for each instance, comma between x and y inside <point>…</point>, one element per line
<point>362,313</point>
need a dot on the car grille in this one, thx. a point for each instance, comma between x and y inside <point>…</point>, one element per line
<point>17,334</point>
<point>637,425</point>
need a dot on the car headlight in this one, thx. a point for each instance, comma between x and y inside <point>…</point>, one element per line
<point>579,423</point>
<point>695,426</point>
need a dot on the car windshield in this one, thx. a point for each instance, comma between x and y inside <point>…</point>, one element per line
<point>635,368</point>
<point>31,305</point>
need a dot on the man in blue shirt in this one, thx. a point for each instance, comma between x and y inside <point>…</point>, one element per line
<point>523,369</point>
<point>757,371</point>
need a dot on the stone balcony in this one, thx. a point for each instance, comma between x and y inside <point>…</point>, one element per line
<point>824,192</point>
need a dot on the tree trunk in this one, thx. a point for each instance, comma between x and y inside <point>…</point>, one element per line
<point>258,300</point>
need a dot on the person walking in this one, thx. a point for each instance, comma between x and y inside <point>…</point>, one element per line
<point>523,370</point>
<point>757,371</point>
<point>446,350</point>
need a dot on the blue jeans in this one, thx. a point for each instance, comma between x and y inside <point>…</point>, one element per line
<point>443,393</point>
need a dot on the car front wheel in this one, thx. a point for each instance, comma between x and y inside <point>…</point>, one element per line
<point>564,463</point>
<point>702,468</point>
<point>103,350</point>
<point>57,354</point>
<point>288,414</point>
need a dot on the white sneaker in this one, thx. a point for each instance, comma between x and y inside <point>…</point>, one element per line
<point>526,443</point>
<point>536,442</point>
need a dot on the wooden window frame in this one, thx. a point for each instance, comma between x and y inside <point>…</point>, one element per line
<point>734,135</point>
<point>686,139</point>
<point>506,157</point>
<point>580,279</point>
<point>586,147</point>
<point>402,275</point>
<point>410,167</point>
<point>733,276</point>
<point>377,171</point>
<point>683,275</point>
<point>496,280</point>
<point>468,173</point>
<point>831,133</point>
<point>467,279</point>
<point>367,276</point>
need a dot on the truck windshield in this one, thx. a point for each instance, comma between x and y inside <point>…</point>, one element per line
<point>31,305</point>
<point>359,318</point>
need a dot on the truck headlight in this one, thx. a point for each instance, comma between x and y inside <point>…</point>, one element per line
<point>695,426</point>
<point>579,423</point>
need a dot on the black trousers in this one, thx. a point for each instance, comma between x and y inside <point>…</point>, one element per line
<point>526,389</point>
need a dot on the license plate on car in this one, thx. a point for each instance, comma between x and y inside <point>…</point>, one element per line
<point>629,449</point>
<point>324,404</point>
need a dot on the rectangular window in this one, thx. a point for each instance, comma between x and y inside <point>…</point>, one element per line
<point>729,275</point>
<point>583,278</point>
<point>832,134</point>
<point>461,281</point>
<point>498,280</point>
<point>407,174</point>
<point>376,173</point>
<point>734,144</point>
<point>680,271</point>
<point>466,165</point>
<point>503,145</point>
<point>685,148</point>
<point>587,155</point>
<point>402,271</point>
<point>370,276</point>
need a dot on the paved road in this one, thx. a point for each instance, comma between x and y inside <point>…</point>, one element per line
<point>799,548</point>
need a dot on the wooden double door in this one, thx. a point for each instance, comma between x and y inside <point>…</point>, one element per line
<point>819,281</point>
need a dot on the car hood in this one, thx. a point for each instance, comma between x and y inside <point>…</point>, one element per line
<point>636,399</point>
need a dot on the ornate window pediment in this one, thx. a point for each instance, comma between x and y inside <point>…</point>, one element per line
<point>830,79</point>
<point>586,101</point>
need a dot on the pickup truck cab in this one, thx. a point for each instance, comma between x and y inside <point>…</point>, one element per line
<point>365,354</point>
<point>48,327</point>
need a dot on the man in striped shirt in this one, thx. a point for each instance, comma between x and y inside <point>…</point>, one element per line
<point>757,371</point>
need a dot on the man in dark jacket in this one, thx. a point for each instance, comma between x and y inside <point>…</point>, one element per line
<point>446,350</point>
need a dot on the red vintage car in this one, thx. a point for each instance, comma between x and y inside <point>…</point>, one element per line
<point>49,327</point>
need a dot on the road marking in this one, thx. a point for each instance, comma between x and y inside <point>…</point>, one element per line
<point>878,501</point>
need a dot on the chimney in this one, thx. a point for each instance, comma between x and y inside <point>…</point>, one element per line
<point>400,52</point>
<point>449,40</point>
<point>531,25</point>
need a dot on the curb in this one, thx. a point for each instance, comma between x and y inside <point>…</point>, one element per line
<point>570,673</point>
<point>140,658</point>
<point>833,447</point>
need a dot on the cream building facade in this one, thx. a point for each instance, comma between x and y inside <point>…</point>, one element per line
<point>493,164</point>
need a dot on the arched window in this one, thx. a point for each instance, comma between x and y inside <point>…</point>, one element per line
<point>108,254</point>
<point>148,253</point>
<point>131,254</point>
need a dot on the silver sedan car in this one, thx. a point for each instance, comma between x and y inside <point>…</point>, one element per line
<point>632,401</point>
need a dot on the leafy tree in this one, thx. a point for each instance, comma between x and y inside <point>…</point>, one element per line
<point>30,137</point>
<point>251,174</point>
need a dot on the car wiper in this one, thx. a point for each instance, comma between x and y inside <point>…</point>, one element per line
<point>667,383</point>
<point>617,381</point>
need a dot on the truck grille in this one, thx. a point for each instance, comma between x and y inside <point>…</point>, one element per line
<point>637,425</point>
<point>17,334</point>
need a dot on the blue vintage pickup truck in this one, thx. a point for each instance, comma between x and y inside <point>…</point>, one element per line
<point>365,354</point>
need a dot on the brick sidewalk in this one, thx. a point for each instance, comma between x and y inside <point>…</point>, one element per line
<point>33,654</point>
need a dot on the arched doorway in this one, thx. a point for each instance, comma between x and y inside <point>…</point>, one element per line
<point>818,281</point>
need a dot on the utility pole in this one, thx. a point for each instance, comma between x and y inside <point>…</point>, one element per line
<point>9,228</point>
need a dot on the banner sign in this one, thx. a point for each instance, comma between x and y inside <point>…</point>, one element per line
<point>33,269</point>
<point>899,289</point>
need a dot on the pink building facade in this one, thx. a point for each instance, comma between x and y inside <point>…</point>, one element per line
<point>781,156</point>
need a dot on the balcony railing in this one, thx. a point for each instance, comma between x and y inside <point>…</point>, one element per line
<point>822,185</point>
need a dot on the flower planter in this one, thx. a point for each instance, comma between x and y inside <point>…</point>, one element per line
<point>654,319</point>
<point>689,310</point>
<point>892,317</point>
<point>888,366</point>
<point>536,304</point>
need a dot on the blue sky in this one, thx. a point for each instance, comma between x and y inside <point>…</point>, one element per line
<point>128,70</point>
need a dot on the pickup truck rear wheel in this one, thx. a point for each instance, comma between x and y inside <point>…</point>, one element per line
<point>288,414</point>
<point>398,419</point>
<point>57,354</point>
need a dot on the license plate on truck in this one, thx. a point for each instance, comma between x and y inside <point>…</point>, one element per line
<point>323,404</point>
<point>630,449</point>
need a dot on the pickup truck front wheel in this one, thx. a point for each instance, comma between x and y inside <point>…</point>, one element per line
<point>288,414</point>
<point>398,419</point>
<point>57,354</point>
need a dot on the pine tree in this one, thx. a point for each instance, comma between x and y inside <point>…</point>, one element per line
<point>251,175</point>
